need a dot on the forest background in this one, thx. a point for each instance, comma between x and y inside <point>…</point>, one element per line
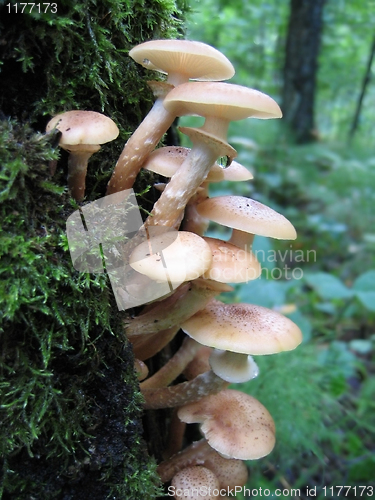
<point>321,395</point>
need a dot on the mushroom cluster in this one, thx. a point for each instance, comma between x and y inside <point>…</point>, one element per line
<point>220,339</point>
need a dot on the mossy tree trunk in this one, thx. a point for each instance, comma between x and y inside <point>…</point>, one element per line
<point>70,405</point>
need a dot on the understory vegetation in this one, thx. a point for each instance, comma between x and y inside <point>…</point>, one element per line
<point>321,394</point>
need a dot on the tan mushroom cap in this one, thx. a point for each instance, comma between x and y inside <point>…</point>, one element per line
<point>220,100</point>
<point>247,215</point>
<point>173,256</point>
<point>235,424</point>
<point>243,328</point>
<point>231,264</point>
<point>229,471</point>
<point>196,60</point>
<point>200,482</point>
<point>83,127</point>
<point>166,161</point>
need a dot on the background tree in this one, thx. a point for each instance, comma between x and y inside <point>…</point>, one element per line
<point>300,69</point>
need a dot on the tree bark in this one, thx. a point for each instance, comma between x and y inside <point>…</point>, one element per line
<point>70,406</point>
<point>365,82</point>
<point>300,68</point>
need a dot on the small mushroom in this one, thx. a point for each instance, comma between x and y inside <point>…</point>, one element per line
<point>196,482</point>
<point>82,133</point>
<point>239,330</point>
<point>181,60</point>
<point>219,103</point>
<point>234,423</point>
<point>246,217</point>
<point>175,256</point>
<point>231,264</point>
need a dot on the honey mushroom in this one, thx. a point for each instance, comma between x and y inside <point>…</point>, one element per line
<point>240,330</point>
<point>82,133</point>
<point>247,218</point>
<point>166,161</point>
<point>219,103</point>
<point>181,60</point>
<point>234,425</point>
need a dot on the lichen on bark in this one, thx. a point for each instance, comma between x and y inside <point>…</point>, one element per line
<point>69,399</point>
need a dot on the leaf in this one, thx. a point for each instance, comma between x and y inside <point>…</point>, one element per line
<point>364,288</point>
<point>328,286</point>
<point>365,282</point>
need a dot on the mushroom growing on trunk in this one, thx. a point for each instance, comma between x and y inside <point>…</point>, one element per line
<point>219,104</point>
<point>180,60</point>
<point>82,133</point>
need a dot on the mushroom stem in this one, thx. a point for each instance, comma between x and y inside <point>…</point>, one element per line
<point>195,454</point>
<point>175,365</point>
<point>77,170</point>
<point>139,146</point>
<point>194,222</point>
<point>241,239</point>
<point>187,392</point>
<point>187,300</point>
<point>175,436</point>
<point>169,209</point>
<point>147,345</point>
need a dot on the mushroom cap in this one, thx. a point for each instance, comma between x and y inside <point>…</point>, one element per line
<point>229,471</point>
<point>166,161</point>
<point>83,127</point>
<point>199,481</point>
<point>173,256</point>
<point>243,328</point>
<point>231,264</point>
<point>235,424</point>
<point>247,215</point>
<point>220,100</point>
<point>196,60</point>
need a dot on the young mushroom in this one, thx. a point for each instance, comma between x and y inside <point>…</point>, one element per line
<point>82,133</point>
<point>238,331</point>
<point>219,104</point>
<point>167,160</point>
<point>181,60</point>
<point>234,424</point>
<point>175,256</point>
<point>196,482</point>
<point>246,217</point>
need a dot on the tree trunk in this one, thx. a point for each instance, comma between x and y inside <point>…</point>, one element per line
<point>70,406</point>
<point>302,50</point>
<point>365,82</point>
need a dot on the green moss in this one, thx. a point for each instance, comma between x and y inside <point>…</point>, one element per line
<point>69,399</point>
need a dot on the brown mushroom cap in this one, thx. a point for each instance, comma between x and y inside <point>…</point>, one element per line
<point>235,424</point>
<point>247,215</point>
<point>200,482</point>
<point>229,471</point>
<point>243,328</point>
<point>83,127</point>
<point>231,264</point>
<point>166,161</point>
<point>196,60</point>
<point>173,256</point>
<point>220,100</point>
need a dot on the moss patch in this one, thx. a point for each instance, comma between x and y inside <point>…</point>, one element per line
<point>69,400</point>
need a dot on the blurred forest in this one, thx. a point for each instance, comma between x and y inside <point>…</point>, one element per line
<point>321,395</point>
